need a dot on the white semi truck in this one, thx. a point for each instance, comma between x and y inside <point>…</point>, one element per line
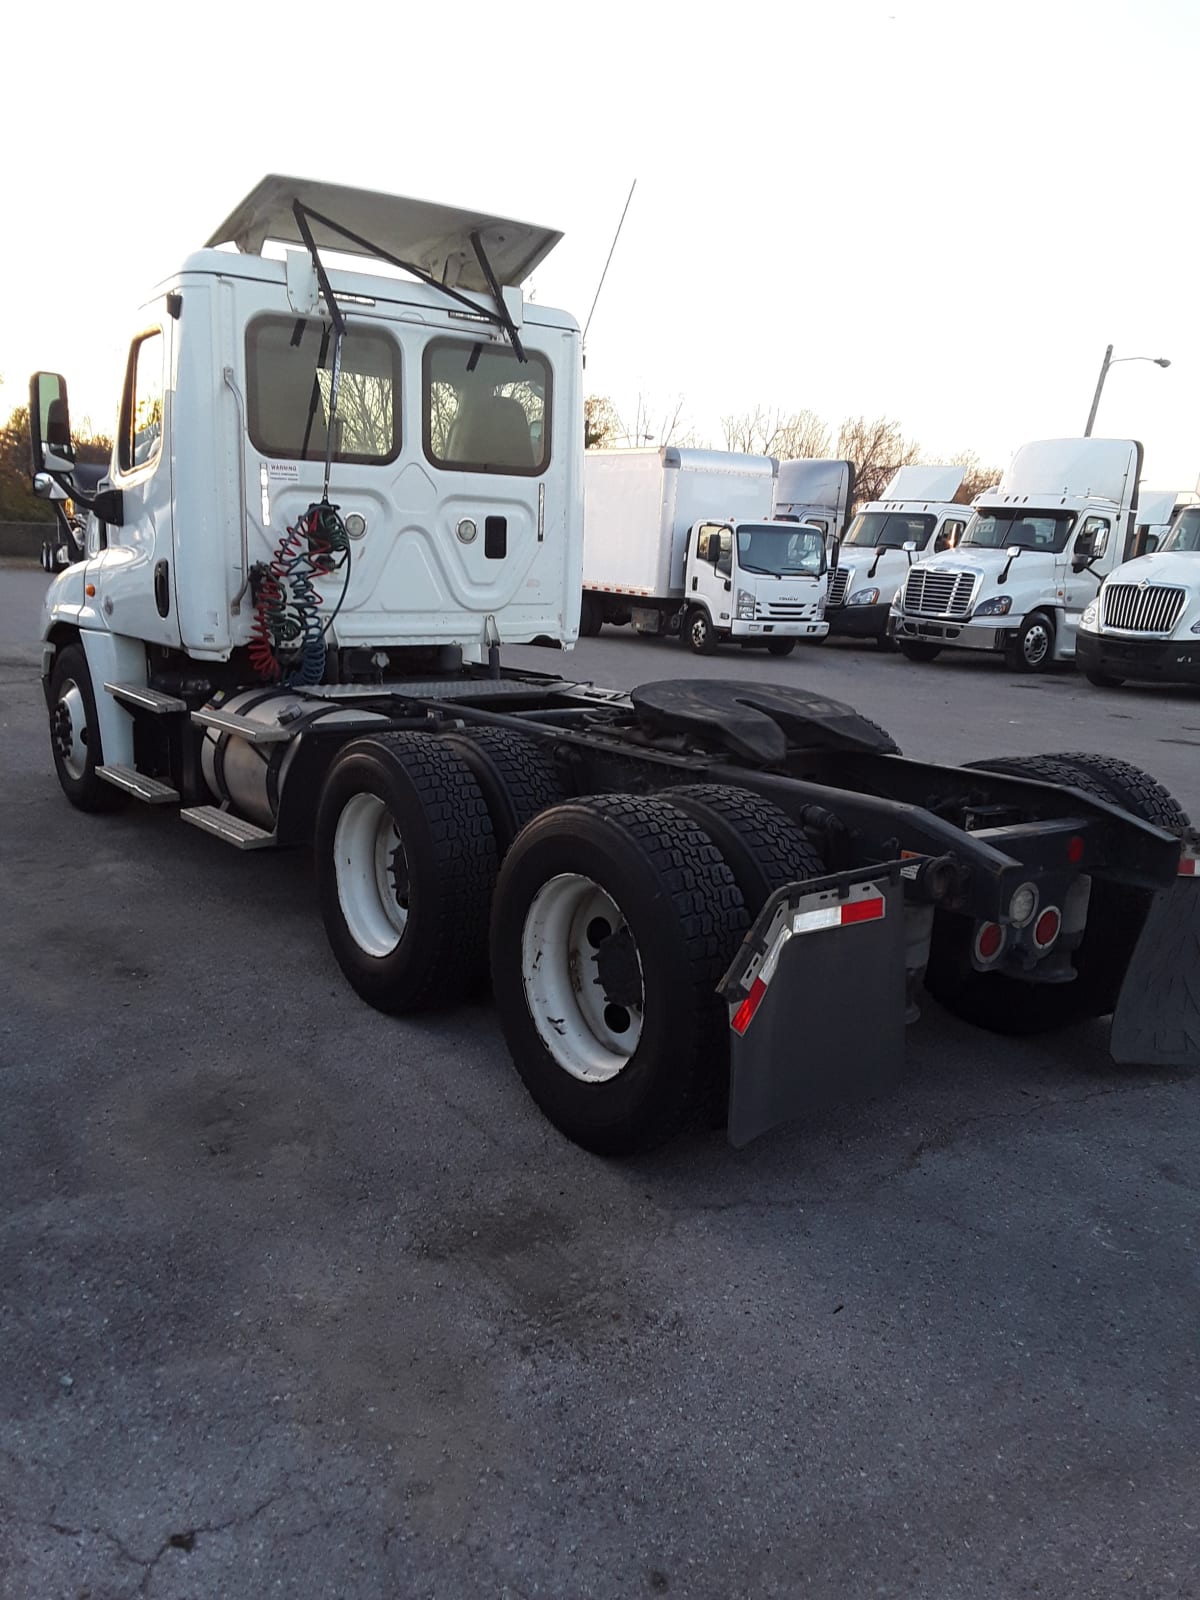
<point>1031,560</point>
<point>916,512</point>
<point>334,497</point>
<point>683,541</point>
<point>1145,622</point>
<point>818,492</point>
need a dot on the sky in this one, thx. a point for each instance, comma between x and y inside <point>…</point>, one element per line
<point>941,212</point>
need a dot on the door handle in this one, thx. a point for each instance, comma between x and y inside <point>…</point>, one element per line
<point>162,591</point>
<point>695,583</point>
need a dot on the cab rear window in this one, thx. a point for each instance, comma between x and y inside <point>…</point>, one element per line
<point>484,410</point>
<point>289,374</point>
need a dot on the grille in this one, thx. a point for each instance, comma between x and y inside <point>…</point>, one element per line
<point>785,610</point>
<point>1138,609</point>
<point>837,587</point>
<point>938,594</point>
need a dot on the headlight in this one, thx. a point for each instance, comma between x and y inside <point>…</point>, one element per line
<point>1091,616</point>
<point>897,598</point>
<point>998,606</point>
<point>745,605</point>
<point>864,597</point>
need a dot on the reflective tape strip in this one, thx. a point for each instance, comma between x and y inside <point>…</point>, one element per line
<point>744,1014</point>
<point>1189,865</point>
<point>839,916</point>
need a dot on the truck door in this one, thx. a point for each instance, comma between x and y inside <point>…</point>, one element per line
<point>133,573</point>
<point>1093,539</point>
<point>710,571</point>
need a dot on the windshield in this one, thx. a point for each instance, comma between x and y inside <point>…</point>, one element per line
<point>1031,530</point>
<point>1185,534</point>
<point>784,550</point>
<point>893,528</point>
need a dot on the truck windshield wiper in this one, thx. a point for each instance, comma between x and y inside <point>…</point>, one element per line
<point>766,571</point>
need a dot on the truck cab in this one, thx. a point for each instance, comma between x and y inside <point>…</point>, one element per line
<point>1031,560</point>
<point>754,583</point>
<point>917,514</point>
<point>1145,622</point>
<point>818,492</point>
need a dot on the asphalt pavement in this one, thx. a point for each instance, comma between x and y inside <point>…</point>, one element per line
<point>300,1300</point>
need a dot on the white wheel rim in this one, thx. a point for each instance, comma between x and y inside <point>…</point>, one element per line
<point>589,1033</point>
<point>70,726</point>
<point>371,870</point>
<point>699,630</point>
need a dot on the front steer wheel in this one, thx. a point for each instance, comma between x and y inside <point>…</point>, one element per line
<point>75,733</point>
<point>917,650</point>
<point>613,922</point>
<point>406,862</point>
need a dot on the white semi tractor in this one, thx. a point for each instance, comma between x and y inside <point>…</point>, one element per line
<point>916,513</point>
<point>1145,622</point>
<point>1031,560</point>
<point>684,541</point>
<point>334,497</point>
<point>819,492</point>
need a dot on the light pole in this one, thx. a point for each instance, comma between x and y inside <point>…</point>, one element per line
<point>1159,361</point>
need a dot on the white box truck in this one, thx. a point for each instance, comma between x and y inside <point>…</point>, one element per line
<point>683,540</point>
<point>1031,560</point>
<point>916,512</point>
<point>1145,622</point>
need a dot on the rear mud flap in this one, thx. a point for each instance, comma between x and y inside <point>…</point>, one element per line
<point>816,1000</point>
<point>1157,1020</point>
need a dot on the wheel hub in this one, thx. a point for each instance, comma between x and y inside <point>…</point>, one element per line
<point>68,730</point>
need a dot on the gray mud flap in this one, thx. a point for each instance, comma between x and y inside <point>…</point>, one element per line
<point>816,1000</point>
<point>1157,1020</point>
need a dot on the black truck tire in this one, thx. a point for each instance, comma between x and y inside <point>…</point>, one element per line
<point>517,776</point>
<point>614,919</point>
<point>1008,1005</point>
<point>780,647</point>
<point>761,845</point>
<point>699,633</point>
<point>75,733</point>
<point>591,617</point>
<point>918,650</point>
<point>406,864</point>
<point>1033,648</point>
<point>1103,680</point>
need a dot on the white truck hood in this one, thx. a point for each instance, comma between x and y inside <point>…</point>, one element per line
<point>1174,567</point>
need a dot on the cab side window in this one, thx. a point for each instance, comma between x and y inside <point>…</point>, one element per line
<point>1093,536</point>
<point>142,404</point>
<point>949,534</point>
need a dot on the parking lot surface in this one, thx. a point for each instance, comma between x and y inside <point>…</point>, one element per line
<point>300,1300</point>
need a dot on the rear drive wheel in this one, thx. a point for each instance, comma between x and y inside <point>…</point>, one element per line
<point>761,845</point>
<point>406,861</point>
<point>918,650</point>
<point>699,632</point>
<point>517,776</point>
<point>1033,648</point>
<point>591,617</point>
<point>75,733</point>
<point>615,918</point>
<point>780,647</point>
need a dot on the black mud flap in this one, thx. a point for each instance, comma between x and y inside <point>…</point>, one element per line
<point>816,1000</point>
<point>1157,1020</point>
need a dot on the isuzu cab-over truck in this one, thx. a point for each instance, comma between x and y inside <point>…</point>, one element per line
<point>1145,622</point>
<point>335,497</point>
<point>683,541</point>
<point>1031,560</point>
<point>916,513</point>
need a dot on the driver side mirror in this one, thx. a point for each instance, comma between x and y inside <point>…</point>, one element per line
<point>1150,545</point>
<point>1013,551</point>
<point>50,424</point>
<point>835,551</point>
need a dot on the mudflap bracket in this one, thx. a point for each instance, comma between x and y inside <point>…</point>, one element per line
<point>816,998</point>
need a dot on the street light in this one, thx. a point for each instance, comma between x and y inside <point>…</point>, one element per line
<point>1159,361</point>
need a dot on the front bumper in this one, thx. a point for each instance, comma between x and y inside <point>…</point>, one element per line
<point>777,628</point>
<point>1165,660</point>
<point>859,622</point>
<point>960,635</point>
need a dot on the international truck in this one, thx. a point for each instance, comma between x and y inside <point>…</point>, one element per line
<point>683,541</point>
<point>1145,622</point>
<point>1031,559</point>
<point>336,497</point>
<point>818,492</point>
<point>916,513</point>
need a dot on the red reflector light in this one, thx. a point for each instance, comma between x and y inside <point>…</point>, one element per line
<point>1075,849</point>
<point>1189,866</point>
<point>862,910</point>
<point>744,1015</point>
<point>989,941</point>
<point>1046,928</point>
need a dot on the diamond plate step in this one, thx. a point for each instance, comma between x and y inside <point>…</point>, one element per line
<point>252,732</point>
<point>242,835</point>
<point>137,784</point>
<point>142,698</point>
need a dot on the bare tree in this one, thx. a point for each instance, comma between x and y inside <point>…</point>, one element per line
<point>787,435</point>
<point>976,478</point>
<point>659,427</point>
<point>877,448</point>
<point>601,424</point>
